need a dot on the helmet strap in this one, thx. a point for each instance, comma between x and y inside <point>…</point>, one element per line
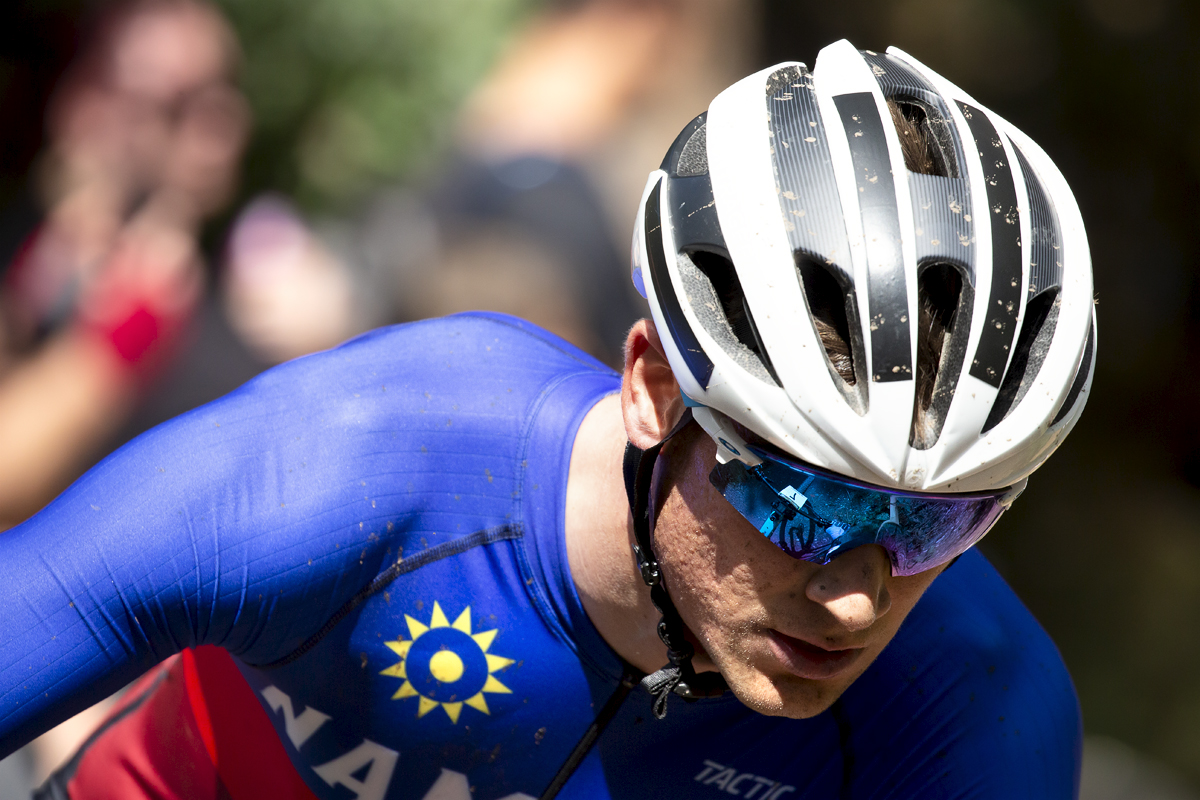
<point>678,676</point>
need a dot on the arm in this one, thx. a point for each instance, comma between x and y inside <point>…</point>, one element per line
<point>246,524</point>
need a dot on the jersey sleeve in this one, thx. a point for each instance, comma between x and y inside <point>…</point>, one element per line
<point>250,522</point>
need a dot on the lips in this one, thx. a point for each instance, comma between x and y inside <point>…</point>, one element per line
<point>806,660</point>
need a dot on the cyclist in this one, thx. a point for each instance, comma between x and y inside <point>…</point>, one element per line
<point>412,552</point>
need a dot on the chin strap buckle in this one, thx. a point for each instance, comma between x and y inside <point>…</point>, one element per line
<point>648,567</point>
<point>660,684</point>
<point>678,677</point>
<point>683,681</point>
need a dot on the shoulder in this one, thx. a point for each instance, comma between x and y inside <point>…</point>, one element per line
<point>971,694</point>
<point>468,372</point>
<point>971,612</point>
<point>455,344</point>
<point>494,363</point>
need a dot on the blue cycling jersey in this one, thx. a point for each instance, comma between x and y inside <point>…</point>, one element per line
<point>375,533</point>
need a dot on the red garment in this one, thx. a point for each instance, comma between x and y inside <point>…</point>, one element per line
<point>190,729</point>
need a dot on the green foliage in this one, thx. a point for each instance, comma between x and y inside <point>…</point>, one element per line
<point>350,92</point>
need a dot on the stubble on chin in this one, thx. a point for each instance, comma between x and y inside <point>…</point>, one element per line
<point>774,693</point>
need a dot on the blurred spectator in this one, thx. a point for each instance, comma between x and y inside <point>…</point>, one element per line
<point>144,134</point>
<point>286,293</point>
<point>103,274</point>
<point>553,151</point>
<point>530,213</point>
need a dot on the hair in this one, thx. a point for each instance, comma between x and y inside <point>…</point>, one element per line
<point>836,347</point>
<point>915,141</point>
<point>940,288</point>
<point>933,320</point>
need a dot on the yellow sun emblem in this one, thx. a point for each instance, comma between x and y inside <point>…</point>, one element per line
<point>446,665</point>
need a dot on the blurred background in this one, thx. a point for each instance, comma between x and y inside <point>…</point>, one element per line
<point>193,191</point>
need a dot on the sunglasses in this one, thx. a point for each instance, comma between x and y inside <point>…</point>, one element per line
<point>816,515</point>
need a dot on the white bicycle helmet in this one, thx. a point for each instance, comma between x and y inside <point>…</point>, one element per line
<point>964,270</point>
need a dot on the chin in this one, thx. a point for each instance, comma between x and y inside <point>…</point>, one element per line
<point>773,695</point>
<point>787,696</point>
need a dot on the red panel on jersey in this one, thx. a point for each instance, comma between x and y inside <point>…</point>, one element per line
<point>191,729</point>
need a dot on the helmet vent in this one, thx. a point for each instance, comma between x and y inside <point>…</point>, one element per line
<point>715,295</point>
<point>925,138</point>
<point>835,318</point>
<point>1041,311</point>
<point>693,159</point>
<point>1041,314</point>
<point>943,322</point>
<point>919,104</point>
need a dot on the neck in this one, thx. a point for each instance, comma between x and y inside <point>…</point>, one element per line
<point>599,532</point>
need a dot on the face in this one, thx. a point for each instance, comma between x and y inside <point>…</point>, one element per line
<point>788,635</point>
<point>155,106</point>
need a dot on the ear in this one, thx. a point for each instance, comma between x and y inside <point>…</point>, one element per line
<point>650,399</point>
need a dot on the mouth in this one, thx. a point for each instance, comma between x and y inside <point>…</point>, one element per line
<point>807,660</point>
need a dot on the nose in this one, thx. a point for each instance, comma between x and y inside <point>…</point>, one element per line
<point>853,587</point>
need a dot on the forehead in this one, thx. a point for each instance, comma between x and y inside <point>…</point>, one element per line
<point>166,51</point>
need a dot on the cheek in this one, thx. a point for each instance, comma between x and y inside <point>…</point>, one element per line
<point>906,591</point>
<point>713,561</point>
<point>686,549</point>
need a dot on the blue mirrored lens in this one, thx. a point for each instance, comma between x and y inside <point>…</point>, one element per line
<point>817,516</point>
